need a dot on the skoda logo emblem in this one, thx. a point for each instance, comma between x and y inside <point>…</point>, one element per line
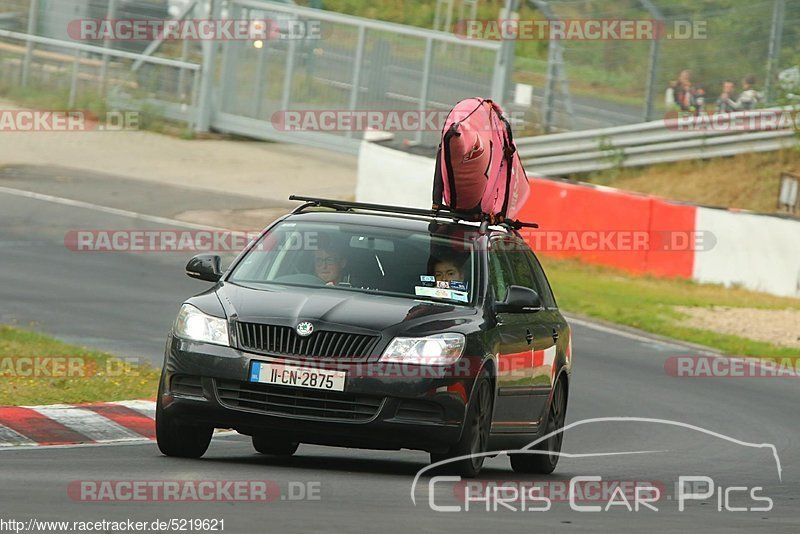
<point>305,329</point>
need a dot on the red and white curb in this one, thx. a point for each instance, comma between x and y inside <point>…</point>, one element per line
<point>64,424</point>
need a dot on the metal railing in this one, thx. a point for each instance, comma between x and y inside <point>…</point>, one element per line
<point>87,74</point>
<point>649,143</point>
<point>359,64</point>
<point>240,86</point>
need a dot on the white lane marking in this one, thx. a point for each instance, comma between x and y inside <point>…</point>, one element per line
<point>11,438</point>
<point>767,367</point>
<point>91,424</point>
<point>106,209</point>
<point>630,335</point>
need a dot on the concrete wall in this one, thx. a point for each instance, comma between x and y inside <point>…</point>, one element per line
<point>756,251</point>
<point>389,176</point>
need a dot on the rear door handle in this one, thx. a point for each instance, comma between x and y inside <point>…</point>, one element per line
<point>529,336</point>
<point>555,334</point>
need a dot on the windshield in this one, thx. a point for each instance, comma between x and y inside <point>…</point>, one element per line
<point>352,257</point>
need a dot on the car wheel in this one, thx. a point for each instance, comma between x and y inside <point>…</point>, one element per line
<point>551,447</point>
<point>475,437</point>
<point>179,440</point>
<point>274,447</point>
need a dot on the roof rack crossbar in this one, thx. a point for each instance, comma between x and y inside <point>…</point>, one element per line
<point>444,213</point>
<point>346,205</point>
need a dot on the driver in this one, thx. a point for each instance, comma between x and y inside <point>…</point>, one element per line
<point>329,264</point>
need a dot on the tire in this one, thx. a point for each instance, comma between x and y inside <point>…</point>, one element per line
<point>545,464</point>
<point>475,437</point>
<point>181,441</point>
<point>274,447</point>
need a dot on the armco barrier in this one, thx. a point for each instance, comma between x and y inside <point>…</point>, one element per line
<point>758,252</point>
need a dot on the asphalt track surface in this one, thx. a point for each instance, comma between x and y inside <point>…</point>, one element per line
<point>125,302</point>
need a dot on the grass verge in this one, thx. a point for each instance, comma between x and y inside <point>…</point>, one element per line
<point>36,369</point>
<point>648,303</point>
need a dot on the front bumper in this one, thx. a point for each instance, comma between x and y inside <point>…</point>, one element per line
<point>382,407</point>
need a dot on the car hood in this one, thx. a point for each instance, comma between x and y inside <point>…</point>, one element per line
<point>286,305</point>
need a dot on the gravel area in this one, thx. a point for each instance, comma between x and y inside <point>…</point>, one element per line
<point>779,327</point>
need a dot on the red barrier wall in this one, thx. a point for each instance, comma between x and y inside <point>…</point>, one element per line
<point>637,233</point>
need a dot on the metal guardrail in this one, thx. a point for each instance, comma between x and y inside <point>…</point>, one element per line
<point>648,143</point>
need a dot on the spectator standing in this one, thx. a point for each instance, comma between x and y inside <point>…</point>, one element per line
<point>688,98</point>
<point>750,98</point>
<point>727,99</point>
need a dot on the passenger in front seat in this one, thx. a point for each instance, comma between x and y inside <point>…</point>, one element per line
<point>448,269</point>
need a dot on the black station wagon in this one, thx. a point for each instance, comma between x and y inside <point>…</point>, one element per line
<point>363,325</point>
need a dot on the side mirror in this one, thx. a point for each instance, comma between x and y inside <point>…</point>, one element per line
<point>520,299</point>
<point>205,267</point>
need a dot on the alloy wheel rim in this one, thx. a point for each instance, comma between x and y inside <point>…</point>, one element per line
<point>556,423</point>
<point>481,422</point>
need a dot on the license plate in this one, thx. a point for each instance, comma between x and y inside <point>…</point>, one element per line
<point>300,377</point>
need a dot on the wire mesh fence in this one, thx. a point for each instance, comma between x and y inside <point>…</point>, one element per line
<point>45,64</point>
<point>240,84</point>
<point>621,80</point>
<point>357,64</point>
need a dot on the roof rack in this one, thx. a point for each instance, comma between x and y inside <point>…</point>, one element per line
<point>441,213</point>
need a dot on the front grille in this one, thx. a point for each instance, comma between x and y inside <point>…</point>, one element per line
<point>280,400</point>
<point>283,340</point>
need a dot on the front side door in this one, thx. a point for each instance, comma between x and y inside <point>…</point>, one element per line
<point>539,323</point>
<point>513,346</point>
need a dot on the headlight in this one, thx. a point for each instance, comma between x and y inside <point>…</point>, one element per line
<point>197,326</point>
<point>438,349</point>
